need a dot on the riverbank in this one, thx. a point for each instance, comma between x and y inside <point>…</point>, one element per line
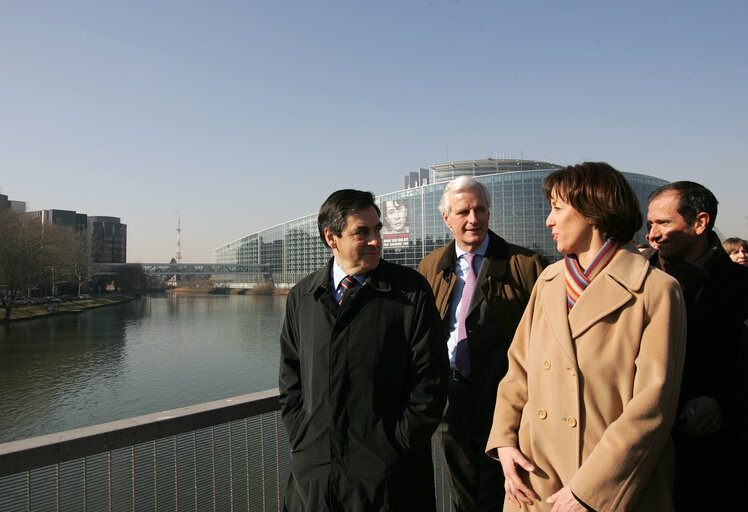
<point>257,290</point>
<point>230,291</point>
<point>60,308</point>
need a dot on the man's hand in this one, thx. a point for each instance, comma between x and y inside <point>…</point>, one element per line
<point>702,415</point>
<point>564,501</point>
<point>515,488</point>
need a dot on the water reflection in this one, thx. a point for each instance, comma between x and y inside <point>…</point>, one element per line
<point>149,355</point>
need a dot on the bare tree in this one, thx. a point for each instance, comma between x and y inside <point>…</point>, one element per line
<point>80,265</point>
<point>21,256</point>
<point>56,255</point>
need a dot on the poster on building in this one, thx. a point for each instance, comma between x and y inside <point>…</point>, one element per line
<point>395,224</point>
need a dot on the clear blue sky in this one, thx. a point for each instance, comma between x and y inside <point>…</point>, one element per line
<point>236,116</point>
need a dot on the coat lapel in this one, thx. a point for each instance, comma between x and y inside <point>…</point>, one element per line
<point>608,292</point>
<point>481,287</point>
<point>493,267</point>
<point>602,297</point>
<point>319,287</point>
<point>553,302</point>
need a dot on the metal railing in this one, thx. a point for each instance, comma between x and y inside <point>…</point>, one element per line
<point>227,455</point>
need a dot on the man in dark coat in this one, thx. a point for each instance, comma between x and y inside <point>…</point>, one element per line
<point>707,437</point>
<point>363,373</point>
<point>504,275</point>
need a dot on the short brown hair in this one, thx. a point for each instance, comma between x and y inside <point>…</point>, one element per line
<point>601,194</point>
<point>733,244</point>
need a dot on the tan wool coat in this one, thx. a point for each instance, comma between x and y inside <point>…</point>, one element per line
<point>590,395</point>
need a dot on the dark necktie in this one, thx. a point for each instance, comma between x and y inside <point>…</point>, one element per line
<point>347,283</point>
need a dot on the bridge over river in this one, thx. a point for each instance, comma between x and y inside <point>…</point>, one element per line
<point>254,272</point>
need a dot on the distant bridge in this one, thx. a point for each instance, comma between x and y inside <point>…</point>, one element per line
<point>261,270</point>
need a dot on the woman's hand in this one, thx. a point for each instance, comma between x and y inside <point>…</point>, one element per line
<point>516,490</point>
<point>564,501</point>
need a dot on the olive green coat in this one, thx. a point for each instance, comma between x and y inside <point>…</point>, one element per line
<point>502,291</point>
<point>590,396</point>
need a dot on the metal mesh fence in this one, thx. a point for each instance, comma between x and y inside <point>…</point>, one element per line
<point>240,465</point>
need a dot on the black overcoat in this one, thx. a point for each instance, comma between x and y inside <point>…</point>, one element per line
<point>717,308</point>
<point>362,389</point>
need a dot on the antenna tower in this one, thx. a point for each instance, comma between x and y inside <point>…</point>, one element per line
<point>179,241</point>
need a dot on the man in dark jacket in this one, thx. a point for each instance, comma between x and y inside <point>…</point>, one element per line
<point>708,474</point>
<point>482,285</point>
<point>363,373</point>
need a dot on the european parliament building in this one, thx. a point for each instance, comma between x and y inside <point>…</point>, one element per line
<point>412,223</point>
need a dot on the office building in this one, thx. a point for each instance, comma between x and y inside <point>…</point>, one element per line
<point>107,240</point>
<point>106,237</point>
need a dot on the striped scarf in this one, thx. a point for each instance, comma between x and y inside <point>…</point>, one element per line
<point>577,280</point>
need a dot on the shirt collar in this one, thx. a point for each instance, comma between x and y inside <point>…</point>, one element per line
<point>337,274</point>
<point>480,251</point>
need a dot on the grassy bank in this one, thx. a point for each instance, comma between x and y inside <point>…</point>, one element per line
<point>71,306</point>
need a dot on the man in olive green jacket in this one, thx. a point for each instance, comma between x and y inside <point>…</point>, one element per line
<point>504,275</point>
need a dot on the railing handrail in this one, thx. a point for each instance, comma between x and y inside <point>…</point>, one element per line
<point>37,452</point>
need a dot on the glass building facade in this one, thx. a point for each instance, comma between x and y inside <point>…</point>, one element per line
<point>413,225</point>
<point>451,170</point>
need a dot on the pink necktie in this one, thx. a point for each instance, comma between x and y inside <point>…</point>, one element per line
<point>462,351</point>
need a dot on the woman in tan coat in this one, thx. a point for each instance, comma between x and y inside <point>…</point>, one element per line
<point>583,416</point>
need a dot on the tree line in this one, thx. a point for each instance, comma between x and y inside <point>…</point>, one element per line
<point>34,257</point>
<point>38,259</point>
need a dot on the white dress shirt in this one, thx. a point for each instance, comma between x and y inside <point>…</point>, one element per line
<point>336,275</point>
<point>456,299</point>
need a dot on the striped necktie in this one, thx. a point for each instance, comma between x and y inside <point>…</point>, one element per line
<point>462,351</point>
<point>347,283</point>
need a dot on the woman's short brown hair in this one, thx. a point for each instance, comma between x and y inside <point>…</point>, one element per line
<point>733,244</point>
<point>601,194</point>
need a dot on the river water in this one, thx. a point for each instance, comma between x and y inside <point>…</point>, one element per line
<point>141,357</point>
